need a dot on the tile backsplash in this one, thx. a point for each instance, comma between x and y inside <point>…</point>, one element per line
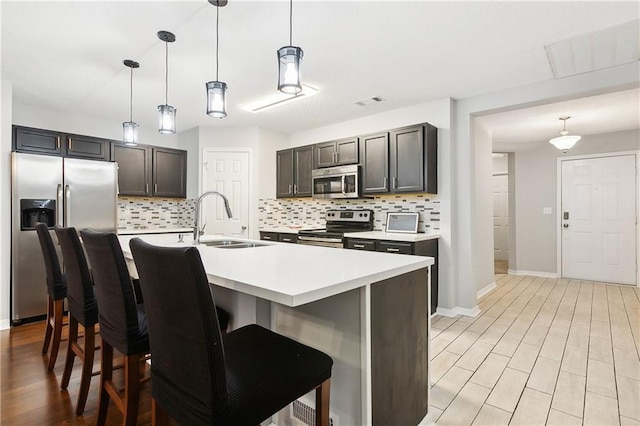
<point>276,213</point>
<point>154,213</point>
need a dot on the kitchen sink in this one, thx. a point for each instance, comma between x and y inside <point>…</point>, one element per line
<point>231,244</point>
<point>241,245</point>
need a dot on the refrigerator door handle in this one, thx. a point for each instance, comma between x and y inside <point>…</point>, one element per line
<point>59,205</point>
<point>67,204</point>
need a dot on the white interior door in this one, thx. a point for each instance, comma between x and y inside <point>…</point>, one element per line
<point>500,193</point>
<point>598,218</point>
<point>228,173</point>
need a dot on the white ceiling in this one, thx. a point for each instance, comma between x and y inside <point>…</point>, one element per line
<point>67,56</point>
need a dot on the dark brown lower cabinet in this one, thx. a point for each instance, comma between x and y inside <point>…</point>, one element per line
<point>419,248</point>
<point>283,237</point>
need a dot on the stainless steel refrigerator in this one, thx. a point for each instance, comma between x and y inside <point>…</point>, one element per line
<point>60,192</point>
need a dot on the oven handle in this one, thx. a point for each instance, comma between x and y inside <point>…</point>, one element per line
<point>344,184</point>
<point>320,239</point>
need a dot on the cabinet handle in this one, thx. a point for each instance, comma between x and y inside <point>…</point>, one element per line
<point>69,144</point>
<point>337,156</point>
<point>395,182</point>
<point>295,189</point>
<point>155,188</point>
<point>287,240</point>
<point>146,188</point>
<point>58,142</point>
<point>385,181</point>
<point>289,192</point>
<point>266,237</point>
<point>393,249</point>
<point>358,245</point>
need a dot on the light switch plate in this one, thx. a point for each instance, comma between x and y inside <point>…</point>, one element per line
<point>546,210</point>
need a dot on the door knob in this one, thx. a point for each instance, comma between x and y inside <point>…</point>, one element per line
<point>244,228</point>
<point>565,225</point>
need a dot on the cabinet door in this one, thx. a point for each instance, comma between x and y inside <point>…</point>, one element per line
<point>347,151</point>
<point>396,247</point>
<point>37,141</point>
<point>134,169</point>
<point>268,236</point>
<point>288,238</point>
<point>407,159</point>
<point>302,166</point>
<point>374,156</point>
<point>77,146</point>
<point>169,172</point>
<point>326,154</point>
<point>284,173</point>
<point>357,244</point>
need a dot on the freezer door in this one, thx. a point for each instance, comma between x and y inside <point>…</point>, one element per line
<point>32,177</point>
<point>90,193</point>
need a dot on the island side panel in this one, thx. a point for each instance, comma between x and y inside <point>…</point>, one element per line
<point>399,349</point>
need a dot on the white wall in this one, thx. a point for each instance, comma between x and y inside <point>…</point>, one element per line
<point>536,188</point>
<point>6,94</point>
<point>501,164</point>
<point>483,271</point>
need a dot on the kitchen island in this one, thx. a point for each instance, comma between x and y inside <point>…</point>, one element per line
<point>367,310</point>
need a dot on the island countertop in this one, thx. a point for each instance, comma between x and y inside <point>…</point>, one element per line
<point>292,274</point>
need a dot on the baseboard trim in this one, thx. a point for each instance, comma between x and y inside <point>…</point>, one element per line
<point>534,273</point>
<point>486,289</point>
<point>5,324</point>
<point>474,312</point>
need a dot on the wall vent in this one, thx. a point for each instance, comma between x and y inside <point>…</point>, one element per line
<point>307,414</point>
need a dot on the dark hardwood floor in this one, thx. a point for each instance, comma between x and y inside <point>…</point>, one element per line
<point>31,395</point>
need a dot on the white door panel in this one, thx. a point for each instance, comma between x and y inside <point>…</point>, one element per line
<point>500,185</point>
<point>228,173</point>
<point>599,219</point>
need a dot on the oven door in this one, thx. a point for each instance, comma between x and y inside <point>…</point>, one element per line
<point>336,182</point>
<point>320,241</point>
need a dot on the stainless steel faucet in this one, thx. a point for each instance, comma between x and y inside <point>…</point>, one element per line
<point>196,228</point>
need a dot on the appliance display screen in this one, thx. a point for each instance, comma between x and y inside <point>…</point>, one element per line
<point>346,215</point>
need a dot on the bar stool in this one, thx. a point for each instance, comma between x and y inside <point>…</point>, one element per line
<point>123,324</point>
<point>83,310</point>
<point>57,292</point>
<point>200,377</point>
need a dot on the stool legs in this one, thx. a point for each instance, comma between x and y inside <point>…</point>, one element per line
<point>86,355</point>
<point>127,402</point>
<point>322,403</point>
<point>53,331</point>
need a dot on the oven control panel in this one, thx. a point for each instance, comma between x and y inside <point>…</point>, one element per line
<point>349,215</point>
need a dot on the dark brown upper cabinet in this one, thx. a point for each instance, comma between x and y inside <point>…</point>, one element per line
<point>402,160</point>
<point>337,153</point>
<point>40,141</point>
<point>293,172</point>
<point>151,171</point>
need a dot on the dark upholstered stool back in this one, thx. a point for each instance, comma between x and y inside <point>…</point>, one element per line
<point>80,296</point>
<point>56,284</point>
<point>188,366</point>
<point>122,321</point>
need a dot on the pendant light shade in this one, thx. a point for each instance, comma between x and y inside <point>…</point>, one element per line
<point>130,128</point>
<point>217,99</point>
<point>289,69</point>
<point>166,113</point>
<point>217,90</point>
<point>566,141</point>
<point>289,63</point>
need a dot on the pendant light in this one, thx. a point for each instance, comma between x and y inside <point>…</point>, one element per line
<point>566,141</point>
<point>166,113</point>
<point>130,128</point>
<point>289,63</point>
<point>217,90</point>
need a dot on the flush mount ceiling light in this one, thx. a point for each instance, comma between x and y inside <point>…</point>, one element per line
<point>289,63</point>
<point>130,128</point>
<point>594,51</point>
<point>279,98</point>
<point>566,141</point>
<point>166,113</point>
<point>217,90</point>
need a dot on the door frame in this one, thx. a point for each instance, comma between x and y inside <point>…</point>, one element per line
<point>559,203</point>
<point>250,194</point>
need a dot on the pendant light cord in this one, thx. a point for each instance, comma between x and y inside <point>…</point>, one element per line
<point>166,73</point>
<point>131,97</point>
<point>291,23</point>
<point>217,37</point>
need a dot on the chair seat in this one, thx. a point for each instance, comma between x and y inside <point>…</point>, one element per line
<point>265,372</point>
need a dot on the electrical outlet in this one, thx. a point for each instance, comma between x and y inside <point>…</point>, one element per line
<point>546,210</point>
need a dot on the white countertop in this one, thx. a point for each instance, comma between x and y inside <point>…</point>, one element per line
<point>292,274</point>
<point>393,236</point>
<point>139,231</point>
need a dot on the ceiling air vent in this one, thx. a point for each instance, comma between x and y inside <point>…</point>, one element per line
<point>369,101</point>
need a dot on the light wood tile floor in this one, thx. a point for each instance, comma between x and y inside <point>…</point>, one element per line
<point>542,351</point>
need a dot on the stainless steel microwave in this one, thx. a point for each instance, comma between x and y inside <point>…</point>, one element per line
<point>337,182</point>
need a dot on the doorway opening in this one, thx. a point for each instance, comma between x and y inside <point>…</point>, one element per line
<point>500,196</point>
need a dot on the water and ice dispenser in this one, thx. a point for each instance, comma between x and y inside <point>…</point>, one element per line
<point>34,211</point>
